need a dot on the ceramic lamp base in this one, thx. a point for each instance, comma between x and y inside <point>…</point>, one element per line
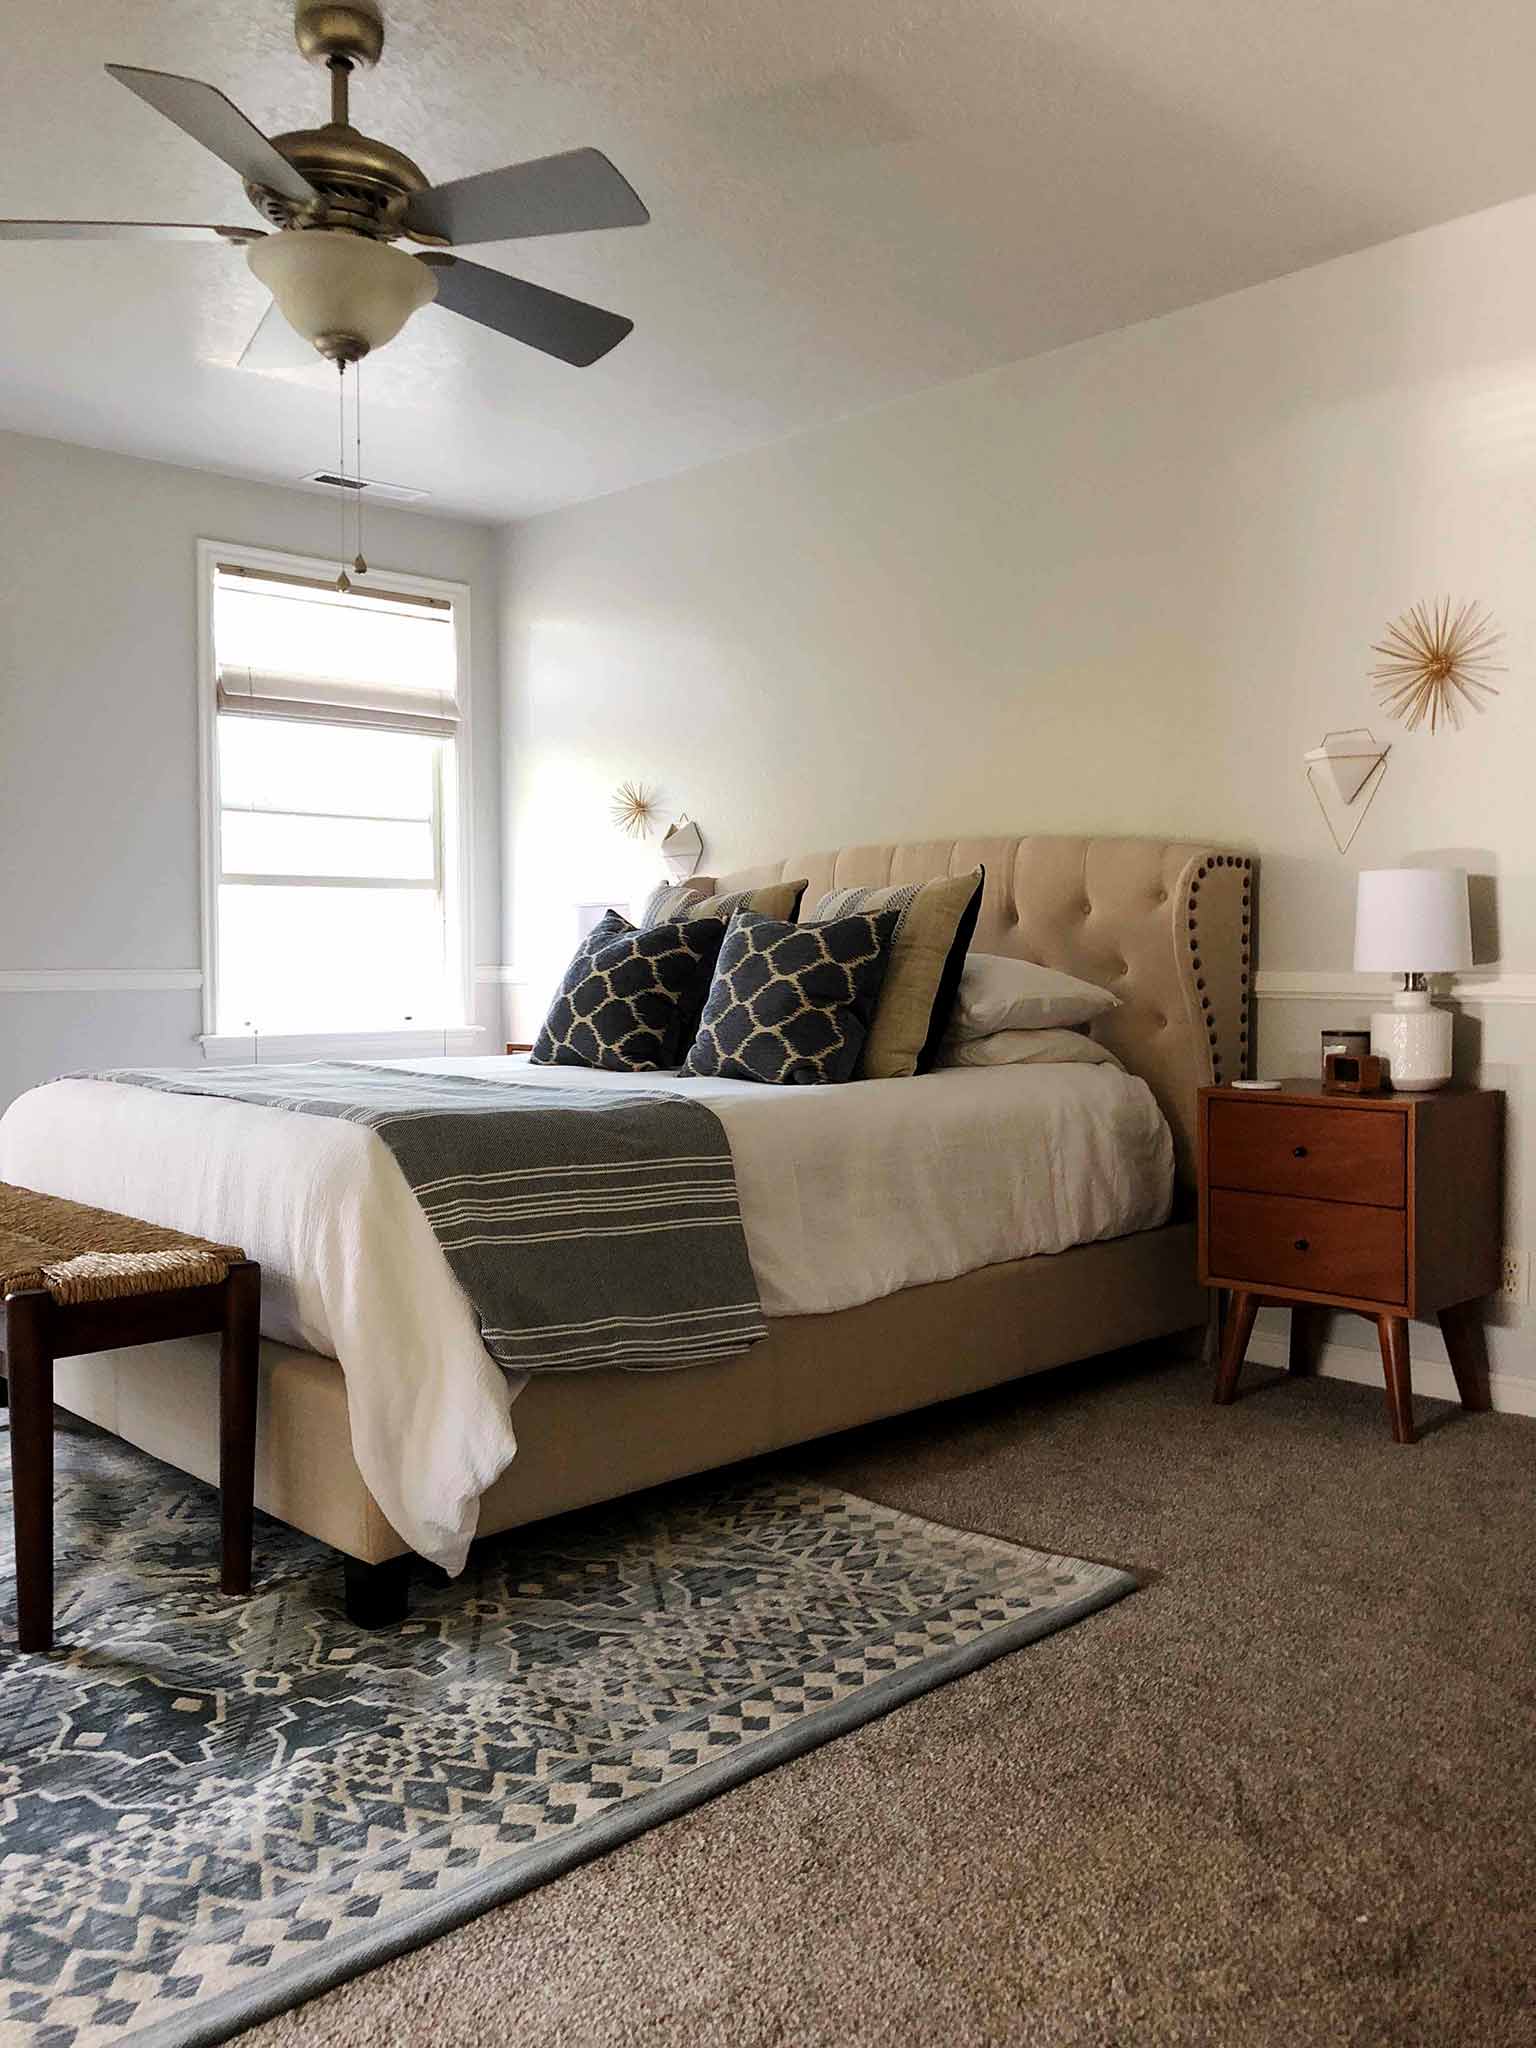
<point>1414,1038</point>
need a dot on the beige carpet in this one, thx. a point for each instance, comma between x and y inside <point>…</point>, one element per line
<point>1285,1794</point>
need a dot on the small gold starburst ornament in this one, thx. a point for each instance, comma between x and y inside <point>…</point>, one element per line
<point>1435,662</point>
<point>634,809</point>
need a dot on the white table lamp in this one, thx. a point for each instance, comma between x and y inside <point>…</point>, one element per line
<point>1413,922</point>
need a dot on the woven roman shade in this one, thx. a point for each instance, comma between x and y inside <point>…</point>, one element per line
<point>294,648</point>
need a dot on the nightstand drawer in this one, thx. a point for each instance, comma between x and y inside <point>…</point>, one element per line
<point>1261,1241</point>
<point>1334,1155</point>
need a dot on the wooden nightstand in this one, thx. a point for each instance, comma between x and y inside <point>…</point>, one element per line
<point>1386,1205</point>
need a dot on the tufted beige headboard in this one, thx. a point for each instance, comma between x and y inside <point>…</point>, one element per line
<point>1164,924</point>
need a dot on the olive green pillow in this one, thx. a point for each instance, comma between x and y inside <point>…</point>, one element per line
<point>933,934</point>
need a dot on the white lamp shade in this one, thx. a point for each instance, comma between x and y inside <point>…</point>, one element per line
<point>331,286</point>
<point>1412,921</point>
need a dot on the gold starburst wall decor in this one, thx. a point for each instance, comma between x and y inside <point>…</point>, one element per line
<point>1436,661</point>
<point>634,809</point>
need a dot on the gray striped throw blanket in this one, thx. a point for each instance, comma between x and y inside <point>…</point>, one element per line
<point>587,1229</point>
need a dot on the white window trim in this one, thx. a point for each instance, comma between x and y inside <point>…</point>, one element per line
<point>218,1047</point>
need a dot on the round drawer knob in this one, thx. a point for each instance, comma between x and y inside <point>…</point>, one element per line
<point>1298,1152</point>
<point>1303,1244</point>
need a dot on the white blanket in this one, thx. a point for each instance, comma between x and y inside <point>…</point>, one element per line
<point>847,1194</point>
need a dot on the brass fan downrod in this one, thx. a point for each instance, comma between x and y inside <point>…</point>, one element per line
<point>364,185</point>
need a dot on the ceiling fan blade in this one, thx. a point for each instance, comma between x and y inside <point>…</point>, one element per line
<point>275,346</point>
<point>218,124</point>
<point>568,328</point>
<point>553,195</point>
<point>122,231</point>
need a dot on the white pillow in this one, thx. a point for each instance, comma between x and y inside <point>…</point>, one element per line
<point>998,994</point>
<point>1026,1048</point>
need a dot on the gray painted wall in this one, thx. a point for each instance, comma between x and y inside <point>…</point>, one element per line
<point>99,828</point>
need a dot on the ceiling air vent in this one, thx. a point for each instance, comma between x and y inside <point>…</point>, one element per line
<point>396,494</point>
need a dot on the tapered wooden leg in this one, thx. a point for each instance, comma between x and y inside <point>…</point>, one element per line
<point>238,1355</point>
<point>29,1367</point>
<point>1466,1344</point>
<point>1306,1336</point>
<point>1215,1317</point>
<point>378,1595</point>
<point>1393,1331</point>
<point>1234,1344</point>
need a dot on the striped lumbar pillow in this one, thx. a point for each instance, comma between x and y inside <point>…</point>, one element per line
<point>670,900</point>
<point>933,933</point>
<point>684,899</point>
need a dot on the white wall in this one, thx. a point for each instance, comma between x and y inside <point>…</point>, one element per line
<point>99,824</point>
<point>1122,587</point>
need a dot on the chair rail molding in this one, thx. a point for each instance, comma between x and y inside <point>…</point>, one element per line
<point>41,981</point>
<point>1338,985</point>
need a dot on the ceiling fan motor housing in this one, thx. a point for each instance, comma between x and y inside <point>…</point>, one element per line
<point>364,185</point>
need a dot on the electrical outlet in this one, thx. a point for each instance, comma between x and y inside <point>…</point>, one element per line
<point>1514,1272</point>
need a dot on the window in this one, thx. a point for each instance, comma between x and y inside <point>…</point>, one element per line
<point>336,861</point>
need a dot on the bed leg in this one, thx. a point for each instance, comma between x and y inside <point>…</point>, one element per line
<point>377,1595</point>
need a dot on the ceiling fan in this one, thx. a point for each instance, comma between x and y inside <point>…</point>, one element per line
<point>338,199</point>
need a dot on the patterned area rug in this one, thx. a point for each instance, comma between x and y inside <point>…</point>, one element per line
<point>211,1809</point>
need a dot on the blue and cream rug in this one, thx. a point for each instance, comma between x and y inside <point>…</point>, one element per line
<point>211,1809</point>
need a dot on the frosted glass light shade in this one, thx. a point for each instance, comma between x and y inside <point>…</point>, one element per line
<point>343,293</point>
<point>1412,921</point>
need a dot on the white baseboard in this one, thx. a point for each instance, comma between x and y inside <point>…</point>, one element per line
<point>1512,1393</point>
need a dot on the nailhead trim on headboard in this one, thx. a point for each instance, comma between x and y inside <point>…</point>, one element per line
<point>1164,924</point>
<point>1244,864</point>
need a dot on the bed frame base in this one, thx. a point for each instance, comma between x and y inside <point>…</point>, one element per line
<point>587,1437</point>
<point>378,1595</point>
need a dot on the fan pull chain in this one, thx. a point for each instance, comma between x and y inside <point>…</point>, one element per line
<point>343,580</point>
<point>359,561</point>
<point>359,564</point>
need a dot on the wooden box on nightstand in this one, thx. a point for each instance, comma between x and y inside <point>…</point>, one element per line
<point>1387,1205</point>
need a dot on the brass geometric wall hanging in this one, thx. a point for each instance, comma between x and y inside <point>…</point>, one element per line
<point>1345,773</point>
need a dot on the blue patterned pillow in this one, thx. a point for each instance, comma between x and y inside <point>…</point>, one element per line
<point>792,1002</point>
<point>630,1000</point>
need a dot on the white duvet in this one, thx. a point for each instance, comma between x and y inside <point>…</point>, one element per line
<point>846,1193</point>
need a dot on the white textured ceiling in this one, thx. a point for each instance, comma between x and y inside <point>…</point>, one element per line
<point>851,199</point>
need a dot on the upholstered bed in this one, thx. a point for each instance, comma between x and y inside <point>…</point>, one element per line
<point>1163,925</point>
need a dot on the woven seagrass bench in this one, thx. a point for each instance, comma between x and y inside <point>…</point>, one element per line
<point>76,1279</point>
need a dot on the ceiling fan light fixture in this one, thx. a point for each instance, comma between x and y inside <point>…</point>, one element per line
<point>343,293</point>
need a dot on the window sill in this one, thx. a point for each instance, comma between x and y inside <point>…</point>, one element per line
<point>245,1048</point>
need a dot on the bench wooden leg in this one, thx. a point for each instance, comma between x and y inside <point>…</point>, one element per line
<point>29,1368</point>
<point>239,1352</point>
<point>378,1595</point>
